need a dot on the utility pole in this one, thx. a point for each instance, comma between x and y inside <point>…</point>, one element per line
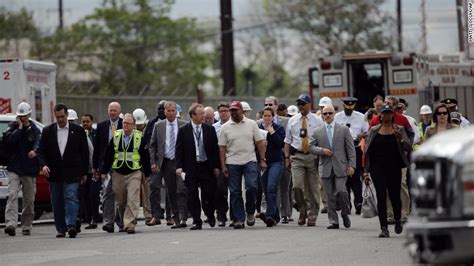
<point>227,53</point>
<point>424,46</point>
<point>399,25</point>
<point>60,14</point>
<point>461,32</point>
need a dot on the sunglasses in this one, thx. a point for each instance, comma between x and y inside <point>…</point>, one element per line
<point>328,113</point>
<point>301,103</point>
<point>269,104</point>
<point>442,113</point>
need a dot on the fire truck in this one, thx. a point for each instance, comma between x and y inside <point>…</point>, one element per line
<point>30,81</point>
<point>420,79</point>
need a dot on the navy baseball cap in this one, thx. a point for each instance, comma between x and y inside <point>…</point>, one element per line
<point>304,98</point>
<point>386,108</point>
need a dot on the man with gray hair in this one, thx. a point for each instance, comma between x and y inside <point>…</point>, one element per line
<point>209,115</point>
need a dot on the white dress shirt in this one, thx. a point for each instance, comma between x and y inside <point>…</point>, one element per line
<point>295,124</point>
<point>196,141</point>
<point>63,134</point>
<point>170,151</point>
<point>414,126</point>
<point>217,126</point>
<point>356,120</point>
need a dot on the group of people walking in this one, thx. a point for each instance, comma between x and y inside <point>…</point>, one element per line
<point>176,168</point>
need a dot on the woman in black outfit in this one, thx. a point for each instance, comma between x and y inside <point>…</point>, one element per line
<point>385,156</point>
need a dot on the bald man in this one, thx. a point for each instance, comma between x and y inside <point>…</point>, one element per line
<point>209,116</point>
<point>105,132</point>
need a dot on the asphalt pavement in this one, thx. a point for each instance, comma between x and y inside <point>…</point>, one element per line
<point>257,245</point>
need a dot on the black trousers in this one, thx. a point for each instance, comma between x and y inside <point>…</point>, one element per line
<point>387,179</point>
<point>354,183</point>
<point>221,197</point>
<point>89,200</point>
<point>203,178</point>
<point>176,190</point>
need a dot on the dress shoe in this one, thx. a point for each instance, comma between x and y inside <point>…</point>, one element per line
<point>390,221</point>
<point>26,232</point>
<point>346,221</point>
<point>250,219</point>
<point>196,227</point>
<point>239,225</point>
<point>78,225</point>
<point>398,227</point>
<point>257,215</point>
<point>232,224</point>
<point>324,210</point>
<point>10,230</point>
<point>61,235</point>
<point>221,224</point>
<point>358,208</point>
<point>122,230</point>
<point>284,220</point>
<point>270,222</point>
<point>130,230</point>
<point>181,224</point>
<point>212,222</point>
<point>71,231</point>
<point>384,233</point>
<point>311,221</point>
<point>291,219</point>
<point>333,226</point>
<point>153,221</point>
<point>169,221</point>
<point>206,221</point>
<point>262,217</point>
<point>91,226</point>
<point>109,228</point>
<point>302,219</point>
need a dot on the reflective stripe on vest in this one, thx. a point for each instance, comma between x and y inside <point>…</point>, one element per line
<point>131,159</point>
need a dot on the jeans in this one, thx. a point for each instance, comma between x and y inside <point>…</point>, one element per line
<point>250,173</point>
<point>271,181</point>
<point>65,202</point>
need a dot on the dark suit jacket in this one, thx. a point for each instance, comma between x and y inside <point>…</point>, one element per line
<point>186,148</point>
<point>75,161</point>
<point>102,142</point>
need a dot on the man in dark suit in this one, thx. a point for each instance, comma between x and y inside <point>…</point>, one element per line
<point>105,131</point>
<point>197,158</point>
<point>64,160</point>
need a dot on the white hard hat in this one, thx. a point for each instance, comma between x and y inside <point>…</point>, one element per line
<point>140,116</point>
<point>71,114</point>
<point>245,106</point>
<point>121,115</point>
<point>425,109</point>
<point>325,101</point>
<point>292,110</point>
<point>23,109</point>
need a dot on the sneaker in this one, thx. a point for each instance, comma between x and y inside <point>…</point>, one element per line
<point>26,232</point>
<point>284,220</point>
<point>250,219</point>
<point>384,233</point>
<point>10,230</point>
<point>398,227</point>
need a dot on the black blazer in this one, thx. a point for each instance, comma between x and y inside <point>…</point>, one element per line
<point>186,148</point>
<point>101,142</point>
<point>75,161</point>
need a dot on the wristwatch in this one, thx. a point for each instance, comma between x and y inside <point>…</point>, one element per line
<point>263,159</point>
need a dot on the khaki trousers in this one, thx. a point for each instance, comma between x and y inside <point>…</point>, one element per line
<point>306,181</point>
<point>126,190</point>
<point>404,196</point>
<point>28,186</point>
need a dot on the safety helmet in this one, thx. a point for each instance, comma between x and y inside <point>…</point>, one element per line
<point>325,101</point>
<point>121,115</point>
<point>140,116</point>
<point>23,109</point>
<point>245,106</point>
<point>71,114</point>
<point>178,110</point>
<point>425,109</point>
<point>292,110</point>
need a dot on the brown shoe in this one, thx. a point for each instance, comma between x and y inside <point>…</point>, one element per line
<point>153,221</point>
<point>302,218</point>
<point>311,221</point>
<point>170,221</point>
<point>131,230</point>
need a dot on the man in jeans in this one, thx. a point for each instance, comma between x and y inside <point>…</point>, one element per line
<point>237,154</point>
<point>22,139</point>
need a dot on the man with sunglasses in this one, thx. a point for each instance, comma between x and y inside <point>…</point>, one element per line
<point>299,133</point>
<point>358,128</point>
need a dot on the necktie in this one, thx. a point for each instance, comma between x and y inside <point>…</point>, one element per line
<point>113,129</point>
<point>202,155</point>
<point>172,141</point>
<point>305,139</point>
<point>330,135</point>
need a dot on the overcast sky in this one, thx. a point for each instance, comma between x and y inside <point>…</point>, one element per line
<point>441,17</point>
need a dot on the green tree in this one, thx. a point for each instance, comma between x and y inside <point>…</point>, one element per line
<point>15,26</point>
<point>129,47</point>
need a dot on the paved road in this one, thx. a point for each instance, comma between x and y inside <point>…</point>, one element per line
<point>257,245</point>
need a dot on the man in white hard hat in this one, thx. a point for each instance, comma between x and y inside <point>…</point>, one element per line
<point>292,110</point>
<point>72,115</point>
<point>140,123</point>
<point>323,102</point>
<point>22,140</point>
<point>246,108</point>
<point>426,113</point>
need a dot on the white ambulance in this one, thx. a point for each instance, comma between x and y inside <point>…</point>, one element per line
<point>419,79</point>
<point>30,81</point>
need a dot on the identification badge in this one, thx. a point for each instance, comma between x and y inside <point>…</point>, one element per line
<point>303,132</point>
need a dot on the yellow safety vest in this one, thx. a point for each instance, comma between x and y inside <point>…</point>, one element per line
<point>131,159</point>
